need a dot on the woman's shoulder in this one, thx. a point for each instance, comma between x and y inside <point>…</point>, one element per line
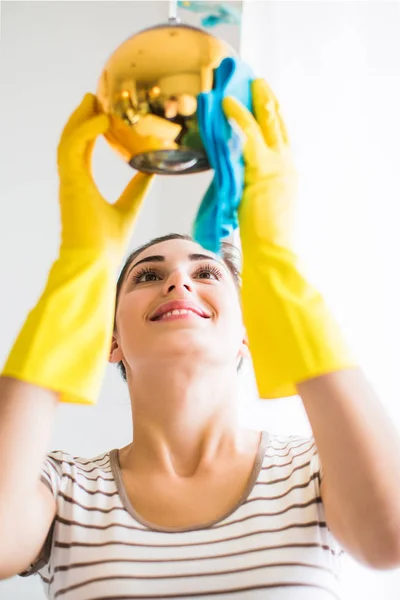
<point>62,469</point>
<point>65,461</point>
<point>292,453</point>
<point>290,444</point>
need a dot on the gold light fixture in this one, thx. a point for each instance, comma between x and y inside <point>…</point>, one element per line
<point>149,87</point>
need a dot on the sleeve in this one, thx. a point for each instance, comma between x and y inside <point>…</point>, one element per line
<point>316,464</point>
<point>305,448</point>
<point>51,472</point>
<point>317,469</point>
<point>50,475</point>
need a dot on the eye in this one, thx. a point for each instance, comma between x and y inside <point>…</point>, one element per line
<point>145,275</point>
<point>208,272</point>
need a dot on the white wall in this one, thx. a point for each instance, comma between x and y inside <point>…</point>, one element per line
<point>328,65</point>
<point>335,67</point>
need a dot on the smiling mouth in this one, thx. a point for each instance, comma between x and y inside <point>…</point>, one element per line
<point>180,313</point>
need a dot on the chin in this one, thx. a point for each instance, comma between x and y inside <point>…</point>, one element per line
<point>185,344</point>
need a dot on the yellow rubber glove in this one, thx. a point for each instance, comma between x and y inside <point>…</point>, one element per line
<point>65,341</point>
<point>292,334</point>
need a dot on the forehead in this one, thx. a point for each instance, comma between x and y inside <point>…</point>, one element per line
<point>175,249</point>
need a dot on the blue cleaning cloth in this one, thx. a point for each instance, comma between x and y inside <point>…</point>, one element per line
<point>217,217</point>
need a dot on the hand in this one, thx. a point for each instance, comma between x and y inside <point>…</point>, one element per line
<point>88,220</point>
<point>266,212</point>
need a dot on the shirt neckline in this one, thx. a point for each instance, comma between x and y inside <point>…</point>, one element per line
<point>116,471</point>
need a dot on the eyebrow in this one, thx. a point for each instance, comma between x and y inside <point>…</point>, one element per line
<point>160,258</point>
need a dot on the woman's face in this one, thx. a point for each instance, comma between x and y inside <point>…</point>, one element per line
<point>178,300</point>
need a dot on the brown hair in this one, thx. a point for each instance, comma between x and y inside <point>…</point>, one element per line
<point>229,253</point>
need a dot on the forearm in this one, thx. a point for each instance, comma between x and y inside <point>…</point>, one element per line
<point>27,415</point>
<point>360,454</point>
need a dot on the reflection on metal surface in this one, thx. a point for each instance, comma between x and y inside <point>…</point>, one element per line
<point>149,87</point>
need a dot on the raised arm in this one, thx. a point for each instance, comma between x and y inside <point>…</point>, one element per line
<point>298,348</point>
<point>62,350</point>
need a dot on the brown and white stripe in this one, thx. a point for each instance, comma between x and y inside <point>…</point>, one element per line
<point>274,545</point>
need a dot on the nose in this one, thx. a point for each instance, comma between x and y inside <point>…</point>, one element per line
<point>178,280</point>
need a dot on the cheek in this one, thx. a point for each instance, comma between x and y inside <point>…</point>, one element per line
<point>230,302</point>
<point>131,309</point>
<point>230,316</point>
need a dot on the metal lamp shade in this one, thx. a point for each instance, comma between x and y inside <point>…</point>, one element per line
<point>149,88</point>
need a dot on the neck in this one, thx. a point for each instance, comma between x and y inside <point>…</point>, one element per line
<point>183,419</point>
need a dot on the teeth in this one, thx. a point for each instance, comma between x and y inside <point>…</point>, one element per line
<point>176,312</point>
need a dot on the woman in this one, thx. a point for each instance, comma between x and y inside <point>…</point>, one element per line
<point>196,505</point>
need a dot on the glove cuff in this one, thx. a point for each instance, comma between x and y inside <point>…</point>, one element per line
<point>292,333</point>
<point>65,341</point>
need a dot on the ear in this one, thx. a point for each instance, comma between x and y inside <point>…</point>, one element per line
<point>115,355</point>
<point>244,350</point>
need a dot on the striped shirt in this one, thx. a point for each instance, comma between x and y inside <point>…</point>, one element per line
<point>273,545</point>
